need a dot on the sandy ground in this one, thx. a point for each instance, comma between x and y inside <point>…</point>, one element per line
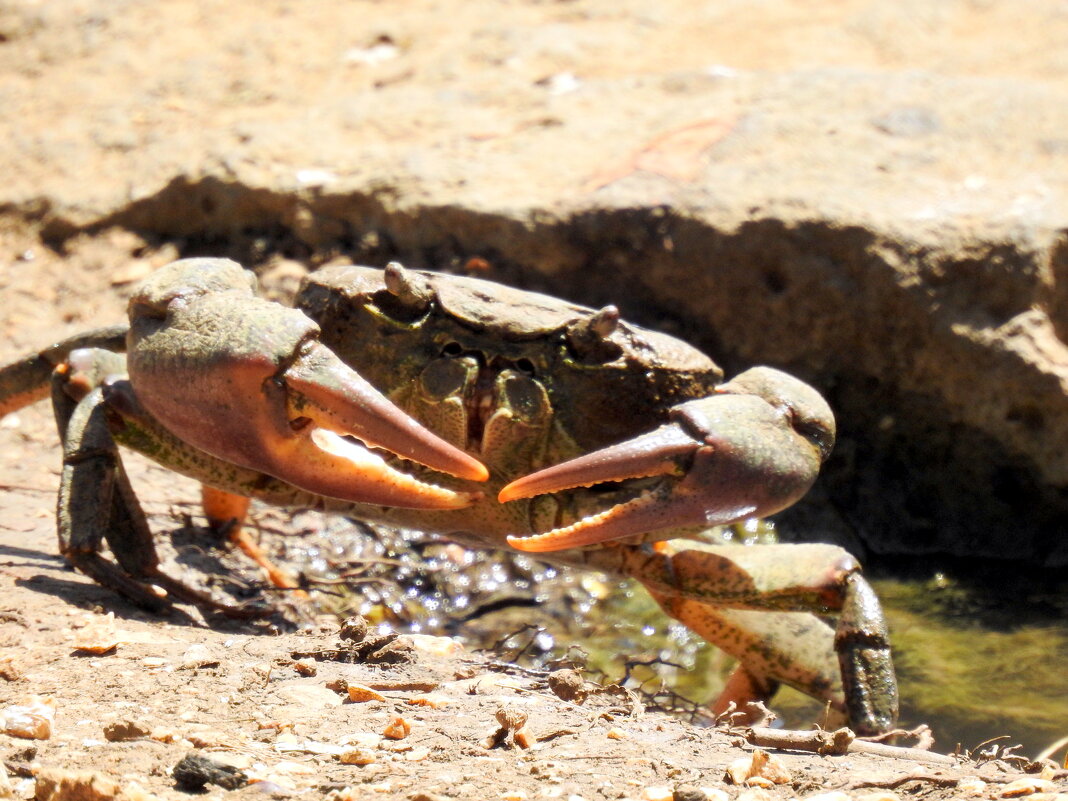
<point>141,83</point>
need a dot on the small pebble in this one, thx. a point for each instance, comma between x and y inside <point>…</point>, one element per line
<point>31,719</point>
<point>689,792</point>
<point>354,629</point>
<point>10,670</point>
<point>1027,786</point>
<point>358,756</point>
<point>361,693</point>
<point>57,784</point>
<point>99,636</point>
<point>194,771</point>
<point>120,730</point>
<point>757,794</point>
<point>568,685</point>
<point>435,646</point>
<point>5,785</point>
<point>434,701</point>
<point>760,769</point>
<point>305,667</point>
<point>197,656</point>
<point>310,696</point>
<point>397,729</point>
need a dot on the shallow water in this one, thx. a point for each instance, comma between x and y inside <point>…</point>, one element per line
<point>970,666</point>
<point>975,661</point>
<point>976,665</point>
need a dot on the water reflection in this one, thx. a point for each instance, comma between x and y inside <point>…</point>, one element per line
<point>979,663</point>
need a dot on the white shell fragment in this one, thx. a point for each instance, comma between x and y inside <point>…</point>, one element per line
<point>30,719</point>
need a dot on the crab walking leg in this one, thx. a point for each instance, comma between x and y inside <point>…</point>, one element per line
<point>862,642</point>
<point>97,503</point>
<point>88,511</point>
<point>27,380</point>
<point>247,381</point>
<point>226,511</point>
<point>716,590</point>
<point>791,648</point>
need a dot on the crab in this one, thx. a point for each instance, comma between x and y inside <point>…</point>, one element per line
<point>493,416</point>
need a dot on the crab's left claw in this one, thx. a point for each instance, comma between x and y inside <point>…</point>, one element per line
<point>247,381</point>
<point>750,450</point>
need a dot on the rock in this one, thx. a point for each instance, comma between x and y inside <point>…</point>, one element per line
<point>568,684</point>
<point>397,729</point>
<point>195,771</point>
<point>435,646</point>
<point>307,695</point>
<point>357,756</point>
<point>120,730</point>
<point>196,656</point>
<point>10,668</point>
<point>32,718</point>
<point>361,693</point>
<point>353,629</point>
<point>56,784</point>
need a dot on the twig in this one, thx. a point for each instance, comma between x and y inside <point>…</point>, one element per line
<point>897,781</point>
<point>511,667</point>
<point>837,743</point>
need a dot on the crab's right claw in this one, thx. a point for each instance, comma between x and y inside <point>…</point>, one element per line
<point>245,380</point>
<point>750,450</point>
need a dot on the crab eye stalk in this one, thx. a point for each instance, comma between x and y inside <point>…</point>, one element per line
<point>406,286</point>
<point>590,336</point>
<point>407,297</point>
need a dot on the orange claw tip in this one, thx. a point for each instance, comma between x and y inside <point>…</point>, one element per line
<point>330,465</point>
<point>648,513</point>
<point>650,454</point>
<point>513,492</point>
<point>470,468</point>
<point>560,539</point>
<point>612,524</point>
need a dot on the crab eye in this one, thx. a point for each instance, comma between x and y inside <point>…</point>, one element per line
<point>525,366</point>
<point>452,349</point>
<point>589,338</point>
